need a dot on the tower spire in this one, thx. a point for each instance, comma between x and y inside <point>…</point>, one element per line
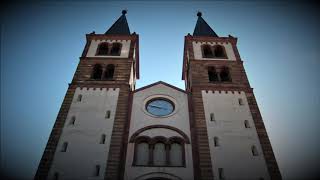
<point>120,27</point>
<point>202,28</point>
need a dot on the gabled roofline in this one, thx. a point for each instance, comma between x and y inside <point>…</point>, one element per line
<point>157,83</point>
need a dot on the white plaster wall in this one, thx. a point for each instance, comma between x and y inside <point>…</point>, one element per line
<point>179,119</point>
<point>124,50</point>
<point>84,150</point>
<point>234,153</point>
<point>198,53</point>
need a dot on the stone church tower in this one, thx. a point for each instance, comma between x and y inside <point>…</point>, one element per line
<point>107,129</point>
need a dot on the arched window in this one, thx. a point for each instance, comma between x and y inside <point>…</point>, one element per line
<point>225,75</point>
<point>103,139</point>
<point>176,154</point>
<point>103,49</point>
<point>72,120</point>
<point>97,71</point>
<point>213,76</point>
<point>254,151</point>
<point>116,49</point>
<point>159,154</point>
<point>207,51</point>
<point>246,124</point>
<point>142,153</point>
<point>216,141</point>
<point>109,72</point>
<point>219,51</point>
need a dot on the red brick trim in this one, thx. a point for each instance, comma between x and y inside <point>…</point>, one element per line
<point>270,159</point>
<point>116,148</point>
<point>201,141</point>
<point>126,136</point>
<point>193,132</point>
<point>159,82</point>
<point>86,48</point>
<point>134,135</point>
<point>111,37</point>
<point>48,154</point>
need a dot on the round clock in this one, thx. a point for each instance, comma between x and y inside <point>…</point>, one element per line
<point>160,107</point>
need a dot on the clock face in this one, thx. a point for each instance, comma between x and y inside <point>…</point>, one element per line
<point>160,107</point>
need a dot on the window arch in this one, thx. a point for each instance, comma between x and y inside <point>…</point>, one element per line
<point>212,73</point>
<point>97,72</point>
<point>207,51</point>
<point>109,72</point>
<point>225,74</point>
<point>103,49</point>
<point>116,49</point>
<point>219,51</point>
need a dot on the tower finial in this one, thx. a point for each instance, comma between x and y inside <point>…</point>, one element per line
<point>199,14</point>
<point>124,11</point>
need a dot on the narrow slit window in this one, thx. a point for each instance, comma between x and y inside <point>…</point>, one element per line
<point>108,114</point>
<point>79,99</point>
<point>240,100</point>
<point>73,120</point>
<point>97,170</point>
<point>64,147</point>
<point>56,176</point>
<point>221,173</point>
<point>254,151</point>
<point>103,139</point>
<point>212,118</point>
<point>246,124</point>
<point>216,141</point>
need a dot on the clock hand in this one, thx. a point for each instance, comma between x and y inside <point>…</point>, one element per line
<point>158,107</point>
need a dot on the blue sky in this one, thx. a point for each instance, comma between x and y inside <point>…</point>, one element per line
<point>41,44</point>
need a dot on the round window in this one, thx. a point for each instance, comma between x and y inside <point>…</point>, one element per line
<point>160,107</point>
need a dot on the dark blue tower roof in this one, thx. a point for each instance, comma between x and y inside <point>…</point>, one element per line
<point>120,27</point>
<point>202,28</point>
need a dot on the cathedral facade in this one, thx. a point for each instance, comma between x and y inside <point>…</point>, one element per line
<point>108,129</point>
